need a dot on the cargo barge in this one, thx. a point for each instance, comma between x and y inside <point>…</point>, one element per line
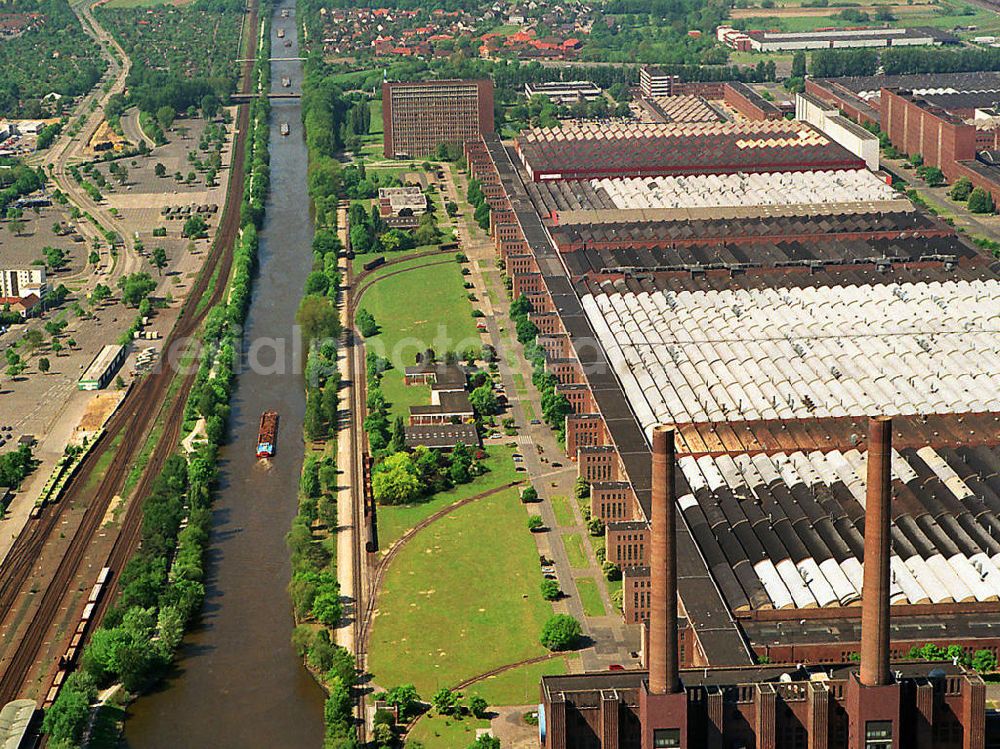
<point>268,434</point>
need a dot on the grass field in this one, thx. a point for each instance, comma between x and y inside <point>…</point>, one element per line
<point>519,686</point>
<point>423,308</point>
<point>394,521</point>
<point>456,603</point>
<point>563,510</point>
<point>375,127</point>
<point>438,732</point>
<point>982,18</point>
<point>574,550</point>
<point>590,596</point>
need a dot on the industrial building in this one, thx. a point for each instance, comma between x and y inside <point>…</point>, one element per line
<point>103,368</point>
<point>419,116</point>
<point>778,41</point>
<point>21,282</point>
<point>827,118</point>
<point>564,92</point>
<point>588,151</point>
<point>868,704</point>
<point>762,312</point>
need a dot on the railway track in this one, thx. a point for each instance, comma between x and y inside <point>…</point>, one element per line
<point>383,564</point>
<point>129,426</point>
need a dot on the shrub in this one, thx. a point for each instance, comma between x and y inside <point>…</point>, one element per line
<point>961,189</point>
<point>529,493</point>
<point>535,523</point>
<point>561,632</point>
<point>366,323</point>
<point>980,201</point>
<point>550,590</point>
<point>478,706</point>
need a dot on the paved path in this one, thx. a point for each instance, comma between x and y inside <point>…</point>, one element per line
<point>346,530</point>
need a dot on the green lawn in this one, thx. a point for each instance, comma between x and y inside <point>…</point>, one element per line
<point>461,598</point>
<point>438,732</point>
<point>395,520</point>
<point>519,385</point>
<point>574,550</point>
<point>424,308</point>
<point>590,596</point>
<point>982,18</point>
<point>375,127</point>
<point>519,686</point>
<point>563,511</point>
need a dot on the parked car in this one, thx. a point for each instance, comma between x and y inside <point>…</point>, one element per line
<point>556,464</point>
<point>535,421</point>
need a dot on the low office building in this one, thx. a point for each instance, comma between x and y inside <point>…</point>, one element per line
<point>408,200</point>
<point>437,374</point>
<point>446,407</point>
<point>564,92</point>
<point>441,436</point>
<point>418,116</point>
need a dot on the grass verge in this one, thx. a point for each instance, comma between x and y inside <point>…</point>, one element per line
<point>590,596</point>
<point>574,550</point>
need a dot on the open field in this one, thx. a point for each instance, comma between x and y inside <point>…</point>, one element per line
<point>519,686</point>
<point>439,732</point>
<point>423,308</point>
<point>395,520</point>
<point>455,605</point>
<point>807,19</point>
<point>791,9</point>
<point>375,127</point>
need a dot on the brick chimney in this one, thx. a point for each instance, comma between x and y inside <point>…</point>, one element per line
<point>875,594</point>
<point>663,658</point>
<point>663,702</point>
<point>872,697</point>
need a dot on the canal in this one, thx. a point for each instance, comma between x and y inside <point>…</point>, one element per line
<point>238,683</point>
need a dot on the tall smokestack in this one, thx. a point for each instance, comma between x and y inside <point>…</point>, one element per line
<point>663,661</point>
<point>875,595</point>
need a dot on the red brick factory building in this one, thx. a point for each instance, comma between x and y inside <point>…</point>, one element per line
<point>754,286</point>
<point>418,116</point>
<point>950,119</point>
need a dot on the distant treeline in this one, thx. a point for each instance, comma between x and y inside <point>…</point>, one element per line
<point>903,61</point>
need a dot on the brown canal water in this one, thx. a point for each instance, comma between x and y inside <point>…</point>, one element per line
<point>238,683</point>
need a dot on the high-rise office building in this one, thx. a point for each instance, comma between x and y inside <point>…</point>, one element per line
<point>419,116</point>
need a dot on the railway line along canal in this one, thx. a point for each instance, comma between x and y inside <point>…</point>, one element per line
<point>238,681</point>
